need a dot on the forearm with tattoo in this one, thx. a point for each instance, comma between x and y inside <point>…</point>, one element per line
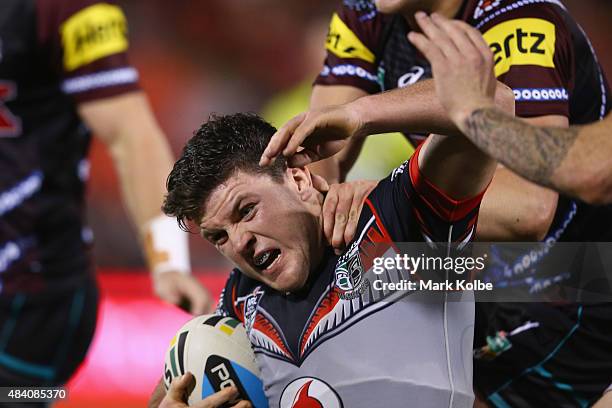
<point>533,152</point>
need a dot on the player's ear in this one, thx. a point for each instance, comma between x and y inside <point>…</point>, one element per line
<point>302,180</point>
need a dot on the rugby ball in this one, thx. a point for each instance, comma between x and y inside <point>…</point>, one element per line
<point>216,350</point>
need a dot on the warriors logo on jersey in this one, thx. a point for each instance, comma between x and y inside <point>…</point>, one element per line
<point>349,274</point>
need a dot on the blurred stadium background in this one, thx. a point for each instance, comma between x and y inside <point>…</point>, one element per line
<point>196,58</point>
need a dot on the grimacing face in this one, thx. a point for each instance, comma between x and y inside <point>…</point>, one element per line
<point>270,230</point>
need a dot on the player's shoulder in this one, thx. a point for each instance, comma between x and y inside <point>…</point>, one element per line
<point>237,289</point>
<point>356,29</point>
<point>240,284</point>
<point>360,17</point>
<point>86,28</point>
<point>382,203</point>
<point>484,14</point>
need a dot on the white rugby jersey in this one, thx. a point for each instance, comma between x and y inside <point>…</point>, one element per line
<point>342,343</point>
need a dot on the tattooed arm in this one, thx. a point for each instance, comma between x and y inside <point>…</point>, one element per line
<point>575,161</point>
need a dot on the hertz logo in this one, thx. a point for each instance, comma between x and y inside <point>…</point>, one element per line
<point>95,32</point>
<point>523,41</point>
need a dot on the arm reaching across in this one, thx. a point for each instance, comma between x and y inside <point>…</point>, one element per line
<point>575,161</point>
<point>322,133</point>
<point>325,131</point>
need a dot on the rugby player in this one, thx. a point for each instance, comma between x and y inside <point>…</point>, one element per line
<point>313,317</point>
<point>64,71</point>
<point>575,161</point>
<point>539,50</point>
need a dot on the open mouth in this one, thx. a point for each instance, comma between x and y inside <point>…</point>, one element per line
<point>265,259</point>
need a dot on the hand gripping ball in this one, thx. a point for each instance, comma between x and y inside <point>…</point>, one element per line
<point>217,352</point>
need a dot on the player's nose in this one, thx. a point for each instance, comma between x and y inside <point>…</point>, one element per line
<point>242,241</point>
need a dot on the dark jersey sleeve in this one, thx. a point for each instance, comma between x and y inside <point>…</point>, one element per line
<point>533,55</point>
<point>413,209</point>
<point>86,43</point>
<point>353,40</point>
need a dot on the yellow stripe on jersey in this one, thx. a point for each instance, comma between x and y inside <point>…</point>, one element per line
<point>342,42</point>
<point>92,33</point>
<point>523,41</point>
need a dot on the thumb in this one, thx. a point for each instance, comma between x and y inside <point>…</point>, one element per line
<point>181,387</point>
<point>320,183</point>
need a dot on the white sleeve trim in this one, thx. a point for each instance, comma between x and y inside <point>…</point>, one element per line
<point>103,79</point>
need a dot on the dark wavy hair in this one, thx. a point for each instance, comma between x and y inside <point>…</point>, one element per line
<point>223,145</point>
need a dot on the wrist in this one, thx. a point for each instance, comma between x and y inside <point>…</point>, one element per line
<point>461,117</point>
<point>361,117</point>
<point>166,246</point>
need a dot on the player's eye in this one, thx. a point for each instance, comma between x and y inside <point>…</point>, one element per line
<point>246,211</point>
<point>218,238</point>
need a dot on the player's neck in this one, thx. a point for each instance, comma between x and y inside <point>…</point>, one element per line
<point>447,8</point>
<point>320,245</point>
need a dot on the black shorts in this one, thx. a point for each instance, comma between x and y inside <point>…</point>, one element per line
<point>542,355</point>
<point>44,339</point>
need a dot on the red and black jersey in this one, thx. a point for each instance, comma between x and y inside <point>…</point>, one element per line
<point>322,338</point>
<point>540,52</point>
<point>54,54</point>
